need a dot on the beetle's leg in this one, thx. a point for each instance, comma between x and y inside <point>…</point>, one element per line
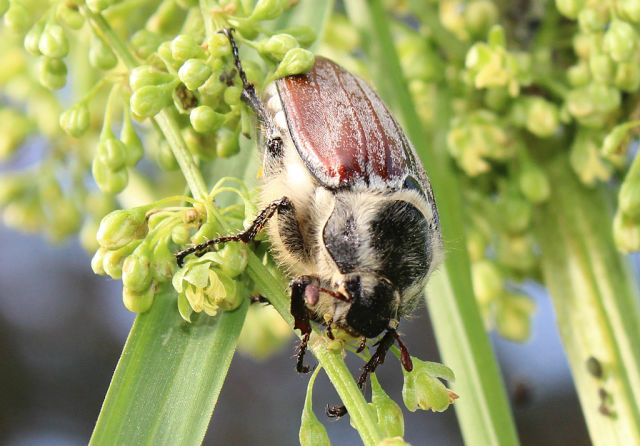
<point>328,330</point>
<point>384,345</point>
<point>245,236</point>
<point>250,97</point>
<point>335,411</point>
<point>363,344</point>
<point>301,316</point>
<point>259,299</point>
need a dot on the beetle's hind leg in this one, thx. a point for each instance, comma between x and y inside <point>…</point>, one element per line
<point>250,97</point>
<point>301,316</point>
<point>245,236</point>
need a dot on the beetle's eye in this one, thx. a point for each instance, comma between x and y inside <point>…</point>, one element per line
<point>371,305</point>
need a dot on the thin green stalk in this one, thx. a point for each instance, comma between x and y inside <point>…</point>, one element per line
<point>596,303</point>
<point>483,411</point>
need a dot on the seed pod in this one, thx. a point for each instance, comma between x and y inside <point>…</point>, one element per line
<point>233,259</point>
<point>53,41</point>
<point>542,117</point>
<point>52,73</point>
<point>628,76</point>
<point>479,16</point>
<point>75,121</point>
<point>232,95</point>
<point>121,227</point>
<point>101,56</point>
<point>602,67</point>
<point>193,73</point>
<point>579,74</point>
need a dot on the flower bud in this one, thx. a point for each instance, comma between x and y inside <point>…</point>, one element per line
<point>205,120</point>
<point>138,302</point>
<point>592,104</point>
<point>616,141</point>
<point>17,18</point>
<point>629,196</point>
<point>487,281</point>
<point>305,35</point>
<point>111,152</point>
<point>136,269</point>
<point>296,61</point>
<point>180,234</point>
<point>629,10</point>
<point>227,144</point>
<point>232,296</point>
<point>52,72</point>
<point>513,317</point>
<point>591,20</point>
<point>570,8</point>
<point>163,262</point>
<point>75,121</point>
<point>620,40</point>
<point>268,9</point>
<point>586,160</point>
<point>626,233</point>
<point>97,260</point>
<point>312,432</point>
<point>423,390</point>
<point>129,137</point>
<point>207,231</point>
<point>32,38</point>
<point>53,42</point>
<point>121,227</point>
<point>534,183</point>
<point>213,86</point>
<point>233,259</point>
<point>114,259</point>
<point>628,76</point>
<point>148,101</point>
<point>542,117</point>
<point>275,47</point>
<point>602,67</point>
<point>101,56</point>
<point>232,95</point>
<point>479,16</point>
<point>516,213</point>
<point>145,75</point>
<point>193,73</point>
<point>68,14</point>
<point>184,47</point>
<point>219,46</point>
<point>389,414</point>
<point>145,43</point>
<point>579,74</point>
<point>517,252</point>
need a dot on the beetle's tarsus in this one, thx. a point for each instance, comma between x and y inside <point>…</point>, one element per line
<point>336,412</point>
<point>245,236</point>
<point>378,357</point>
<point>300,367</point>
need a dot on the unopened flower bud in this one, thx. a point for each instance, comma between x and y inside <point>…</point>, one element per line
<point>112,152</point>
<point>487,281</point>
<point>96,261</point>
<point>205,120</point>
<point>296,61</point>
<point>52,72</point>
<point>145,43</point>
<point>602,67</point>
<point>17,18</point>
<point>68,14</point>
<point>628,76</point>
<point>629,10</point>
<point>389,414</point>
<point>207,231</point>
<point>513,317</point>
<point>312,432</point>
<point>534,183</point>
<point>130,138</point>
<point>232,95</point>
<point>516,213</point>
<point>114,259</point>
<point>591,20</point>
<point>53,42</point>
<point>184,47</point>
<point>591,105</point>
<point>616,140</point>
<point>268,9</point>
<point>275,47</point>
<point>101,56</point>
<point>138,302</point>
<point>145,75</point>
<point>542,117</point>
<point>579,74</point>
<point>626,233</point>
<point>121,227</point>
<point>570,8</point>
<point>148,101</point>
<point>629,196</point>
<point>136,269</point>
<point>233,259</point>
<point>194,72</point>
<point>75,121</point>
<point>219,46</point>
<point>479,16</point>
<point>227,144</point>
<point>163,262</point>
<point>32,38</point>
<point>620,40</point>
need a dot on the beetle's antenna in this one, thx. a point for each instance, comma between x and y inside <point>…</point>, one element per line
<point>250,97</point>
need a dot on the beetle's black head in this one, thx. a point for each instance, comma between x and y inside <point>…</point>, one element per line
<point>374,302</point>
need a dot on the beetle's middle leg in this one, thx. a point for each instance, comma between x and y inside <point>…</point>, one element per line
<point>245,236</point>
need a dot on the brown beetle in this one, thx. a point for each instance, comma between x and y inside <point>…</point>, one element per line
<point>348,206</point>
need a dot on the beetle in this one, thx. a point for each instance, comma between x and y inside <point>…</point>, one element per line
<point>348,207</point>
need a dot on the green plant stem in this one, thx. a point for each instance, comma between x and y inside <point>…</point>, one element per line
<point>596,303</point>
<point>483,411</point>
<point>267,284</point>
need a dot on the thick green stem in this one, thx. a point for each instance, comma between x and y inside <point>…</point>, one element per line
<point>596,303</point>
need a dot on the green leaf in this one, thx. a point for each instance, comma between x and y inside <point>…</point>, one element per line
<point>169,376</point>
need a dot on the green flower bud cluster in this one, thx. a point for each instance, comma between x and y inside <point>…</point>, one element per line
<point>468,19</point>
<point>47,39</point>
<point>423,388</point>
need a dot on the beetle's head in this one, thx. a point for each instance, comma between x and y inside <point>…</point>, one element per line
<point>373,302</point>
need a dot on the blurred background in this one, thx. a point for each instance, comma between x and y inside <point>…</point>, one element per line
<point>62,329</point>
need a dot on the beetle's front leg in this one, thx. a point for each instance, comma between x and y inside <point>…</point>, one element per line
<point>245,236</point>
<point>303,289</point>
